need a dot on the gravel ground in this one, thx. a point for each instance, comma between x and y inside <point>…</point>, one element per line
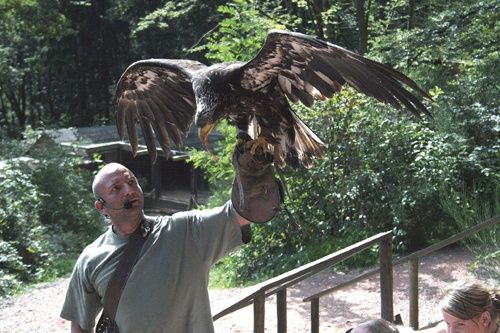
<point>38,310</point>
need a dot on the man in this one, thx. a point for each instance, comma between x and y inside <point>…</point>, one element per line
<point>383,326</point>
<point>166,290</point>
<point>379,326</point>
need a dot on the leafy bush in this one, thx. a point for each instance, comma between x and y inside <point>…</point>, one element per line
<point>24,241</point>
<point>468,210</point>
<point>66,201</point>
<point>46,216</point>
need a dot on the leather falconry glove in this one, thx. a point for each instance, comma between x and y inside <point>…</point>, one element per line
<point>256,194</point>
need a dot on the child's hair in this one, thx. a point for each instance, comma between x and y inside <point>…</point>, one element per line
<point>471,300</point>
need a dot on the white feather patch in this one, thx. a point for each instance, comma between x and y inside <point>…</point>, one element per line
<point>324,78</point>
<point>254,128</point>
<point>311,90</point>
<point>306,129</point>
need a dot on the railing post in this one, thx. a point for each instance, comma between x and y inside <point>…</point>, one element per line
<point>281,310</point>
<point>413,292</point>
<point>259,303</point>
<point>315,315</point>
<point>386,282</point>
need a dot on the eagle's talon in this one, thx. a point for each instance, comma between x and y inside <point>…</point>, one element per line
<point>259,142</point>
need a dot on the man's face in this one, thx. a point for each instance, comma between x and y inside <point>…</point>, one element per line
<point>118,186</point>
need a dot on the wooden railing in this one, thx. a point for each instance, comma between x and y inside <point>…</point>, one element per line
<point>413,261</point>
<point>279,284</point>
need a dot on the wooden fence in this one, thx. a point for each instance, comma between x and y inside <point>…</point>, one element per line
<point>279,284</point>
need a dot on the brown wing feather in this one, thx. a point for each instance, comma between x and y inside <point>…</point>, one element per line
<point>309,62</point>
<point>158,94</point>
<point>307,69</point>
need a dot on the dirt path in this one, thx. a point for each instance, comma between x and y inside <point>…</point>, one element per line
<point>38,310</point>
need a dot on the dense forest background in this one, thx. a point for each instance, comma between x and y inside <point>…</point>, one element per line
<point>423,179</point>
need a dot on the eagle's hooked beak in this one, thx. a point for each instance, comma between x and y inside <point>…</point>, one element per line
<point>203,133</point>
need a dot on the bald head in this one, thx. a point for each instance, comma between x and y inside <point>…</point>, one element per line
<point>375,326</point>
<point>107,171</point>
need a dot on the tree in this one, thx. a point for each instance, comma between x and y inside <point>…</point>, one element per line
<point>26,30</point>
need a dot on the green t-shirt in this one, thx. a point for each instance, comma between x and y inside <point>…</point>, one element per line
<point>167,289</point>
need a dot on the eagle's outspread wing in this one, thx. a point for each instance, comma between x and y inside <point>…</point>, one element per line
<point>164,95</point>
<point>158,94</point>
<point>307,68</point>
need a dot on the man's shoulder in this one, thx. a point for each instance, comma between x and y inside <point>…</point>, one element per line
<point>101,247</point>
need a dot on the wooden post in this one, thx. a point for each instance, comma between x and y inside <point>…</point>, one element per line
<point>413,292</point>
<point>156,179</point>
<point>386,282</point>
<point>259,303</point>
<point>281,310</point>
<point>119,156</point>
<point>194,183</point>
<point>315,315</point>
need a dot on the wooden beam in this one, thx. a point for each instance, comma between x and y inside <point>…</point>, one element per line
<point>156,179</point>
<point>386,282</point>
<point>413,292</point>
<point>281,310</point>
<point>259,312</point>
<point>315,315</point>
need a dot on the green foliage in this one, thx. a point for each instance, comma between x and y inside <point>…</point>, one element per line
<point>20,226</point>
<point>468,210</point>
<point>44,221</point>
<point>170,23</point>
<point>219,172</point>
<point>242,31</point>
<point>27,27</point>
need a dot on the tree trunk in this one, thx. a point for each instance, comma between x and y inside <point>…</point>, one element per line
<point>362,16</point>
<point>5,115</point>
<point>411,14</point>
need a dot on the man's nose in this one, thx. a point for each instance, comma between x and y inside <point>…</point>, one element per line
<point>129,189</point>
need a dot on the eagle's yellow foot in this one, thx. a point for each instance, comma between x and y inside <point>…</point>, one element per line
<point>259,142</point>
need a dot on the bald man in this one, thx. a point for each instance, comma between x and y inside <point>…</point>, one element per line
<point>379,326</point>
<point>166,290</point>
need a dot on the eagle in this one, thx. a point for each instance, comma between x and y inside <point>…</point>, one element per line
<point>165,96</point>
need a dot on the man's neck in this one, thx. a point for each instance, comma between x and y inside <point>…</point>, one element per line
<point>126,227</point>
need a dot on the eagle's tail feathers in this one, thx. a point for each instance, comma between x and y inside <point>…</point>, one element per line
<point>279,157</point>
<point>307,144</point>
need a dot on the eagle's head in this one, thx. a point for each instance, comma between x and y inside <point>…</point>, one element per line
<point>212,88</point>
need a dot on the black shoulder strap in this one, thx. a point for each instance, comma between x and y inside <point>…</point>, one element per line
<point>122,271</point>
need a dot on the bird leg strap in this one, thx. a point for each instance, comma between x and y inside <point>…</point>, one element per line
<point>256,193</point>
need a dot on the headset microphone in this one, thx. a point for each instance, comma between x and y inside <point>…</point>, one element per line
<point>126,205</point>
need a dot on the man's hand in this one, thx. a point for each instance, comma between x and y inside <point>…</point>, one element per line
<point>256,193</point>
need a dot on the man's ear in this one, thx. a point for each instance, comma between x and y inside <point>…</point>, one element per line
<point>98,205</point>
